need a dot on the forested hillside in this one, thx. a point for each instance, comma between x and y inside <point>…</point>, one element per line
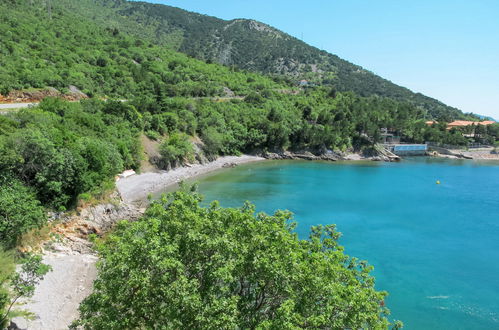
<point>39,51</point>
<point>250,45</point>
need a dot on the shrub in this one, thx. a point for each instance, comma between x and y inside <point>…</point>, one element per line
<point>14,286</point>
<point>176,149</point>
<point>153,135</point>
<point>7,268</point>
<point>20,211</point>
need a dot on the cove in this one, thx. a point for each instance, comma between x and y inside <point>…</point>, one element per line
<point>435,247</point>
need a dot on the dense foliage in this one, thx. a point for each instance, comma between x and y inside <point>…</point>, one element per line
<point>175,149</point>
<point>62,149</point>
<point>7,268</point>
<point>20,212</point>
<point>185,266</point>
<point>482,134</point>
<point>37,52</point>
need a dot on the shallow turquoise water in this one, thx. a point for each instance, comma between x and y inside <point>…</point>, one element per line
<point>435,248</point>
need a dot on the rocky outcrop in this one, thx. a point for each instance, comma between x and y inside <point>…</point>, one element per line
<point>306,155</point>
<point>13,326</point>
<point>74,229</point>
<point>76,93</point>
<point>329,155</point>
<point>446,153</point>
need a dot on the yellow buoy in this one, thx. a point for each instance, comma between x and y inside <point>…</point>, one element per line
<point>438,181</point>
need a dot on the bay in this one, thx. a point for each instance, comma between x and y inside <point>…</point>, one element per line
<point>435,247</point>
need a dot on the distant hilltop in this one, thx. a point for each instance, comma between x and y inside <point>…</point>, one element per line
<point>482,117</point>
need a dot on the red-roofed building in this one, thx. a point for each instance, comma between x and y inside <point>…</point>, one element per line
<point>464,123</point>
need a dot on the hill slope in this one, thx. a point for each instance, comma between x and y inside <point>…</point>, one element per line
<point>249,45</point>
<point>37,51</point>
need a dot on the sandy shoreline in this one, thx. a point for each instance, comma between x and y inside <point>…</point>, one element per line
<point>138,187</point>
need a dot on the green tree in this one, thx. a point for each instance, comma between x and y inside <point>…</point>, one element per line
<point>7,268</point>
<point>20,211</point>
<point>213,141</point>
<point>175,149</point>
<point>185,266</point>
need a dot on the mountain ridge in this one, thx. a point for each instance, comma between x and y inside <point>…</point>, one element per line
<point>242,43</point>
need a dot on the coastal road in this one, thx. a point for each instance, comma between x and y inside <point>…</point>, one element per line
<point>9,107</point>
<point>5,108</point>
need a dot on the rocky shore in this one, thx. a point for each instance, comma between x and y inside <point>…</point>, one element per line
<point>328,156</point>
<point>476,154</point>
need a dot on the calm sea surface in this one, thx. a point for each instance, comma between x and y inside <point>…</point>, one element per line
<point>435,248</point>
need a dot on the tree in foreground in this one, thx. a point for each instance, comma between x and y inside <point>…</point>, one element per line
<point>183,266</point>
<point>15,286</point>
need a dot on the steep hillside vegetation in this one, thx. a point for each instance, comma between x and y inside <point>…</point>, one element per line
<point>249,45</point>
<point>38,51</point>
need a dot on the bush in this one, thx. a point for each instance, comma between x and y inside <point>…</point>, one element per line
<point>153,135</point>
<point>101,161</point>
<point>176,149</point>
<point>62,149</point>
<point>186,267</point>
<point>20,211</point>
<point>7,268</point>
<point>53,171</point>
<point>213,141</point>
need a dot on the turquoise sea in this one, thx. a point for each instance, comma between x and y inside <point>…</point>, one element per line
<point>435,247</point>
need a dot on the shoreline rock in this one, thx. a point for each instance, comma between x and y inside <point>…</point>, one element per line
<point>328,156</point>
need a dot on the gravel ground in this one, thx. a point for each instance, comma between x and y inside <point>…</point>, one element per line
<point>57,297</point>
<point>137,187</point>
<point>482,154</point>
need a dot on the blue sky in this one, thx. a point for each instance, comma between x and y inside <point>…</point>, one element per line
<point>446,49</point>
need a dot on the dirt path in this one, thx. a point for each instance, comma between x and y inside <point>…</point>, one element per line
<point>6,108</point>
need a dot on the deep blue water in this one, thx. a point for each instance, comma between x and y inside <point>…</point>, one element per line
<point>435,248</point>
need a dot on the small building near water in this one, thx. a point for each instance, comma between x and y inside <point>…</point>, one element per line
<point>408,149</point>
<point>389,136</point>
